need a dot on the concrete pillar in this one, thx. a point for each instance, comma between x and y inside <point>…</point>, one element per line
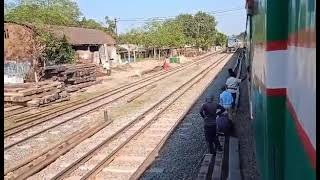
<point>129,58</point>
<point>134,56</point>
<point>106,61</point>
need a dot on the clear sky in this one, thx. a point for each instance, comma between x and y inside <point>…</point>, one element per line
<point>228,22</point>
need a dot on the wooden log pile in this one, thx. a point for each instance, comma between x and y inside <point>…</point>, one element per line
<point>77,87</point>
<point>59,81</point>
<point>75,76</point>
<point>71,74</point>
<point>35,94</point>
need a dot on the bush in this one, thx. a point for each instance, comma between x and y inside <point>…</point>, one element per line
<point>55,50</point>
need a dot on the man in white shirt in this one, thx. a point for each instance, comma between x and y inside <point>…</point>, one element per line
<point>232,84</point>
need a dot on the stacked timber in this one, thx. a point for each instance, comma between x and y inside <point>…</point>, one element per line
<point>75,76</point>
<point>71,74</point>
<point>35,94</point>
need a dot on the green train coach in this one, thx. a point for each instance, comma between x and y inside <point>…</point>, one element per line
<point>281,60</point>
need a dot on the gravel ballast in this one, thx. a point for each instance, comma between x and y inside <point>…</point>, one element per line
<point>47,138</point>
<point>181,155</point>
<point>88,144</point>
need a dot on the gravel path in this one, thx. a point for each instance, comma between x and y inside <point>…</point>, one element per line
<point>179,158</point>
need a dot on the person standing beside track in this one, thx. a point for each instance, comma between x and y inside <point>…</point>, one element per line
<point>226,100</point>
<point>208,112</point>
<point>232,84</point>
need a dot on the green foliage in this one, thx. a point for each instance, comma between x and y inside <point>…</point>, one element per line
<point>55,12</point>
<point>156,34</point>
<point>198,30</point>
<point>52,50</point>
<point>56,51</point>
<point>90,23</point>
<point>221,39</point>
<point>110,25</point>
<point>189,27</point>
<point>206,30</point>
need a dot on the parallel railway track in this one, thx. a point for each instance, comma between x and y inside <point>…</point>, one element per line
<point>28,120</point>
<point>19,115</point>
<point>36,163</point>
<point>34,140</point>
<point>77,111</point>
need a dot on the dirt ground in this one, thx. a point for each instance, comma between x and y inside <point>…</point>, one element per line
<point>121,75</point>
<point>126,73</point>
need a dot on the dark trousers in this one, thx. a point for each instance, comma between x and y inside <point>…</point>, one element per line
<point>211,137</point>
<point>234,95</point>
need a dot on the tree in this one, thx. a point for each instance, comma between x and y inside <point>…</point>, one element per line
<point>221,39</point>
<point>156,35</point>
<point>110,26</point>
<point>41,13</point>
<point>170,34</point>
<point>90,23</point>
<point>199,29</point>
<point>206,30</point>
<point>54,12</point>
<point>55,51</point>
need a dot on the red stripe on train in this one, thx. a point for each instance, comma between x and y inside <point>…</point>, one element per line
<point>277,45</point>
<point>310,150</point>
<point>276,92</point>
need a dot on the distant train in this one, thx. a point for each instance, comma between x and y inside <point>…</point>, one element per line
<point>232,44</point>
<point>281,59</point>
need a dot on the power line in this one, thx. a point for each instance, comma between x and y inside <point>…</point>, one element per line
<point>171,17</point>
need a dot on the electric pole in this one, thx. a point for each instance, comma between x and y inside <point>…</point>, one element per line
<point>115,23</point>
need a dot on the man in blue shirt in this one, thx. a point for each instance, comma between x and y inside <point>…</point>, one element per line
<point>226,100</point>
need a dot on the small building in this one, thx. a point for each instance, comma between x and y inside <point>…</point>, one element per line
<point>91,45</point>
<point>21,49</point>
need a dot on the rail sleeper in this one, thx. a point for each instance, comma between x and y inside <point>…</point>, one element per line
<point>217,169</point>
<point>206,167</point>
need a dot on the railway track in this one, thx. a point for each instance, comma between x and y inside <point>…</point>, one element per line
<point>17,116</point>
<point>123,135</point>
<point>28,121</point>
<point>80,110</point>
<point>44,129</point>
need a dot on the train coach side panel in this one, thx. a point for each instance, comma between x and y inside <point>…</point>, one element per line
<point>300,129</point>
<point>283,88</point>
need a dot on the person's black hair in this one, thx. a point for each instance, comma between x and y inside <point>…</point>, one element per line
<point>231,73</point>
<point>209,99</point>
